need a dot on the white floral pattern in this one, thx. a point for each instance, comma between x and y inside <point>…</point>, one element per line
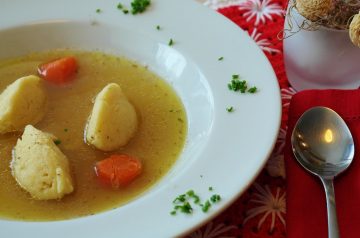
<point>212,231</point>
<point>216,4</point>
<point>286,95</point>
<point>260,10</point>
<point>275,166</point>
<point>264,44</point>
<point>281,140</point>
<point>268,204</point>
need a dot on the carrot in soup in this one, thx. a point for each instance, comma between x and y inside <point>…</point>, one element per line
<point>59,71</point>
<point>118,170</point>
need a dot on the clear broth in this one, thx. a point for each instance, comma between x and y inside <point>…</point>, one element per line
<point>157,143</point>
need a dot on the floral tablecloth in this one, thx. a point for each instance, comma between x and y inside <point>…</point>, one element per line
<point>261,210</point>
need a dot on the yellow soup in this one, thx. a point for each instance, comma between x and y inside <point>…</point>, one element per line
<point>157,143</point>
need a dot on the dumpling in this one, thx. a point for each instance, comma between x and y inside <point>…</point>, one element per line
<point>113,120</point>
<point>40,167</point>
<point>21,103</point>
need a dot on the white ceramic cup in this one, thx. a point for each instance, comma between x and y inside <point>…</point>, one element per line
<point>320,59</point>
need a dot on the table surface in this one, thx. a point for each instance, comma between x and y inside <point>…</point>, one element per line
<point>260,212</point>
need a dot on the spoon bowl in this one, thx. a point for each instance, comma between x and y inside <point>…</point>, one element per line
<point>322,143</point>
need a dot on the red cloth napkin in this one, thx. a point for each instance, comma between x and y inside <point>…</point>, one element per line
<point>306,205</point>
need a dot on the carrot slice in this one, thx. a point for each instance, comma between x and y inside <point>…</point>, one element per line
<point>118,170</point>
<point>59,71</point>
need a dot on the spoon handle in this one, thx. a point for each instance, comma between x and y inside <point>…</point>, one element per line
<point>333,229</point>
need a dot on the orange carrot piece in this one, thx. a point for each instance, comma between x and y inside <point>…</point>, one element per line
<point>59,71</point>
<point>118,170</point>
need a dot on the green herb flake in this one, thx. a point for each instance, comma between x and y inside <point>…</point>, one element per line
<point>196,199</point>
<point>252,90</point>
<point>243,89</point>
<point>180,198</point>
<point>158,28</point>
<point>66,130</point>
<point>230,109</point>
<point>139,6</point>
<point>185,208</point>
<point>241,86</point>
<point>206,206</point>
<point>57,142</point>
<point>120,6</point>
<point>235,76</point>
<point>171,42</point>
<point>237,85</point>
<point>183,203</point>
<point>125,11</point>
<point>193,195</point>
<point>98,10</point>
<point>220,58</point>
<point>215,198</point>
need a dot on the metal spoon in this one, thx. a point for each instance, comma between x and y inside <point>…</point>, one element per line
<point>323,145</point>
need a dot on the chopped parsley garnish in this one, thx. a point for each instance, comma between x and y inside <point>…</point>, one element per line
<point>215,198</point>
<point>180,198</point>
<point>252,90</point>
<point>183,203</point>
<point>206,206</point>
<point>66,130</point>
<point>98,10</point>
<point>120,6</point>
<point>171,42</point>
<point>220,58</point>
<point>184,208</point>
<point>158,28</point>
<point>235,76</point>
<point>139,6</point>
<point>230,109</point>
<point>192,194</point>
<point>241,86</point>
<point>237,85</point>
<point>57,142</point>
